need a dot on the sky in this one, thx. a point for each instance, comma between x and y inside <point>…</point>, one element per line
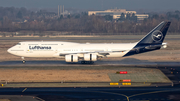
<point>160,5</point>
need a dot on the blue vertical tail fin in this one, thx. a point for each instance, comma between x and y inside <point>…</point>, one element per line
<point>156,35</point>
<point>152,41</point>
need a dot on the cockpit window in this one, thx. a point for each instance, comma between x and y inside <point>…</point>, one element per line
<point>19,44</point>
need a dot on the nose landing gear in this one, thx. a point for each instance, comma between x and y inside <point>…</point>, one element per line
<point>23,60</point>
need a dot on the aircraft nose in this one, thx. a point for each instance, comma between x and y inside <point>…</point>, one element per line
<point>9,50</point>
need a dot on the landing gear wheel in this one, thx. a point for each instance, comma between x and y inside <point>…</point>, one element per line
<point>82,62</point>
<point>87,62</point>
<point>91,62</point>
<point>23,61</point>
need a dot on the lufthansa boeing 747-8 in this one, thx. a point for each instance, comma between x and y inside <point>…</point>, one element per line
<point>88,53</point>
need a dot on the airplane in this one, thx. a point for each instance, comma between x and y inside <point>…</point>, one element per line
<point>88,53</point>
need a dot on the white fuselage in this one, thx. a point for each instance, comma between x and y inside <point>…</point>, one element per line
<point>55,48</point>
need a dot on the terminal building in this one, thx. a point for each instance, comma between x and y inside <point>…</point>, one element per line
<point>116,13</point>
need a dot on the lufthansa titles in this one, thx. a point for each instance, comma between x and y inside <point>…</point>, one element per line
<point>39,47</point>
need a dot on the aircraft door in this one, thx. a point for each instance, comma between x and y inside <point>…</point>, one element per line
<point>107,49</point>
<point>28,49</point>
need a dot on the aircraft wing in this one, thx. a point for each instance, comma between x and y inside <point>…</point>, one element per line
<point>108,52</point>
<point>100,53</point>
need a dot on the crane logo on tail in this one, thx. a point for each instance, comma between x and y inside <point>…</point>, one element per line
<point>157,36</point>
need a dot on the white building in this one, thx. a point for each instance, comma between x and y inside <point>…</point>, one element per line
<point>139,16</point>
<point>116,13</point>
<point>142,16</point>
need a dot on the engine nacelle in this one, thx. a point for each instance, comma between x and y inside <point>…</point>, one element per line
<point>90,57</point>
<point>164,45</point>
<point>71,58</point>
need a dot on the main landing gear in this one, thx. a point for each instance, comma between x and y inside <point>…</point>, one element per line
<point>87,62</point>
<point>23,60</point>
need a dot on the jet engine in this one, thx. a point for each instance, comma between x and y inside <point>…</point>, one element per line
<point>90,57</point>
<point>71,58</point>
<point>164,45</point>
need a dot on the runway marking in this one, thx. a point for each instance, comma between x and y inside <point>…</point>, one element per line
<point>128,97</point>
<point>116,94</point>
<point>39,99</point>
<point>24,90</point>
<point>149,93</point>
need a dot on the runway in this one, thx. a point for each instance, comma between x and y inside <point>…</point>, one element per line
<point>92,94</point>
<point>124,62</point>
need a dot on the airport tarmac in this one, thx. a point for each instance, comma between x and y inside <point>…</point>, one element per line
<point>91,94</point>
<point>123,62</point>
<point>83,93</point>
<point>77,75</point>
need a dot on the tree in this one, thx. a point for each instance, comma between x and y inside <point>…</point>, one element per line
<point>68,16</point>
<point>77,16</point>
<point>128,16</point>
<point>133,18</point>
<point>19,15</point>
<point>122,18</point>
<point>60,18</point>
<point>155,16</point>
<point>108,17</point>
